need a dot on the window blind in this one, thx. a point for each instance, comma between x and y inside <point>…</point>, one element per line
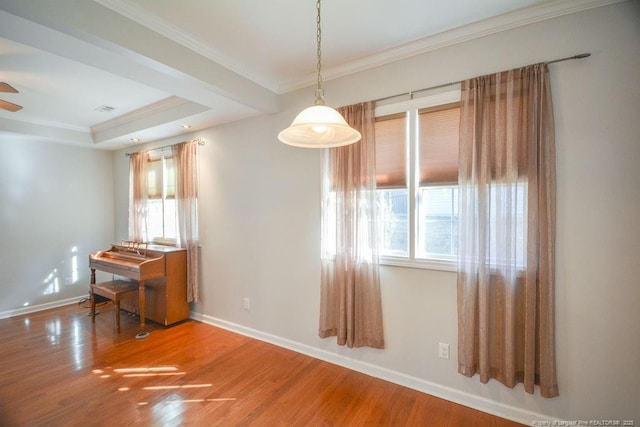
<point>391,151</point>
<point>438,144</point>
<point>154,180</point>
<point>157,179</point>
<point>170,178</point>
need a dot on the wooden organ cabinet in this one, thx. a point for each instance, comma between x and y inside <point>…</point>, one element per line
<point>162,271</point>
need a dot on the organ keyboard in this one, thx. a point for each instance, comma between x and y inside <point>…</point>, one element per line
<point>160,272</point>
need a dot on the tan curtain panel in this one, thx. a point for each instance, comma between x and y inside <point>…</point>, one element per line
<point>391,151</point>
<point>185,156</point>
<point>438,142</point>
<point>138,186</point>
<point>350,302</point>
<point>506,255</point>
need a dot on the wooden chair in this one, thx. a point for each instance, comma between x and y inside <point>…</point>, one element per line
<point>115,291</point>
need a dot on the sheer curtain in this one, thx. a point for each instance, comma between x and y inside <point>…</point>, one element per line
<point>186,162</point>
<point>507,230</point>
<point>138,163</point>
<point>350,304</point>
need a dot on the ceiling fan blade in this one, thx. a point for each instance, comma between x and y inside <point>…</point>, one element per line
<point>6,87</point>
<point>10,106</point>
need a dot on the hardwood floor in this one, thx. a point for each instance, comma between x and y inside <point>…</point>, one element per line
<point>58,369</point>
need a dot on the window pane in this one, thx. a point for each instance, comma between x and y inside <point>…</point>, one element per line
<point>437,225</point>
<point>170,227</point>
<point>393,222</point>
<point>154,218</point>
<point>161,217</point>
<point>508,224</point>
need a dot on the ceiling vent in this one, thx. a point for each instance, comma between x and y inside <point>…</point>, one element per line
<point>105,108</point>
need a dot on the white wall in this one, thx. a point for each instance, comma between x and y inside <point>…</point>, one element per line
<point>260,224</point>
<point>54,198</point>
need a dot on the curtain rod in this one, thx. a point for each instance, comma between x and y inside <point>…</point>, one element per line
<point>410,93</point>
<point>198,140</point>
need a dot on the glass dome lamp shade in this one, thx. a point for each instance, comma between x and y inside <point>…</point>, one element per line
<point>319,126</point>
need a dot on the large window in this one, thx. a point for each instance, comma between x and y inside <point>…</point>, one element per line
<point>161,217</point>
<point>417,173</point>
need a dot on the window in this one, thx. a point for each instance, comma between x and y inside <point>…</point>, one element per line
<point>417,174</point>
<point>161,204</point>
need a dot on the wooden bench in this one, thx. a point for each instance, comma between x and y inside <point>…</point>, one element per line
<point>115,291</point>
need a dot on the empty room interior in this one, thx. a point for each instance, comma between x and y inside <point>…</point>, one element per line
<point>311,273</point>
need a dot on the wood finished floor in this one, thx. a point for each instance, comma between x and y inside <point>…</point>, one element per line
<point>57,369</point>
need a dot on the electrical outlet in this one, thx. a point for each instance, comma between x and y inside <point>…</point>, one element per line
<point>247,304</point>
<point>443,350</point>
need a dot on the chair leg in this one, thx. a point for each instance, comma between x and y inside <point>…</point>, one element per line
<point>117,308</point>
<point>93,308</point>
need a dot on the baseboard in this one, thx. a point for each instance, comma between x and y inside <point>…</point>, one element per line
<point>40,307</point>
<point>472,401</point>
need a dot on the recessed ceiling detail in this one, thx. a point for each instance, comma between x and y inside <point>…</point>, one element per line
<point>154,66</point>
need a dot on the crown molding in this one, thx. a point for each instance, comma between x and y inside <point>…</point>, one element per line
<point>50,131</point>
<point>536,13</point>
<point>507,21</point>
<point>153,115</point>
<point>166,104</point>
<point>142,17</point>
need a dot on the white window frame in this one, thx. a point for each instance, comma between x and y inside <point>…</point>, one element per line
<point>162,154</point>
<point>448,96</point>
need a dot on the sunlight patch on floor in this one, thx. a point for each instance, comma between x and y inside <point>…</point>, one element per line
<point>174,403</point>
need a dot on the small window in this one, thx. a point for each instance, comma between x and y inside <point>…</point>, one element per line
<point>437,176</point>
<point>417,179</point>
<point>161,217</point>
<point>391,180</point>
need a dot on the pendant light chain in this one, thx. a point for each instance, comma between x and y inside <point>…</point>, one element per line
<point>319,90</point>
<point>319,126</point>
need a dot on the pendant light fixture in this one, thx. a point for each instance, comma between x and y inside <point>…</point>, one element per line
<point>319,126</point>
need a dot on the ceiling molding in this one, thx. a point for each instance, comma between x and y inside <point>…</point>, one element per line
<point>142,17</point>
<point>193,80</point>
<point>50,132</point>
<point>452,37</point>
<point>123,47</point>
<point>518,18</point>
<point>158,113</point>
<point>141,113</point>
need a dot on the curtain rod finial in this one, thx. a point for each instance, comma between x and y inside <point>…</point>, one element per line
<point>579,56</point>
